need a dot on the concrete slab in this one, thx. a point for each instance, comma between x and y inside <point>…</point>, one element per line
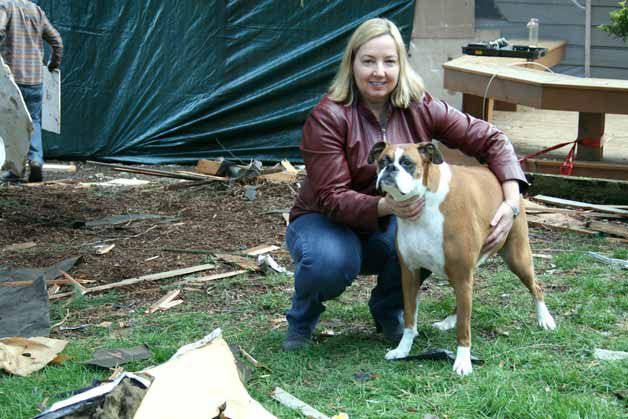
<point>16,125</point>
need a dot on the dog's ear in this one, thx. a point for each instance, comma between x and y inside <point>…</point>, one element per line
<point>376,151</point>
<point>431,152</point>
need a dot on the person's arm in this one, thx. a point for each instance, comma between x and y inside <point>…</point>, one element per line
<point>329,172</point>
<point>53,38</point>
<point>476,138</point>
<point>482,140</point>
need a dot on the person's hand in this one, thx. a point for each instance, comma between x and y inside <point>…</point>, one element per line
<point>501,225</point>
<point>410,208</point>
<point>53,67</point>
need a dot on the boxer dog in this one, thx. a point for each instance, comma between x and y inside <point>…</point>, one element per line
<point>448,236</point>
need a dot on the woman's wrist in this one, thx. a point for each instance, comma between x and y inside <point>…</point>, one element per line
<point>383,209</point>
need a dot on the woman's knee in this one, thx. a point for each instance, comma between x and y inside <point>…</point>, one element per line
<point>326,275</point>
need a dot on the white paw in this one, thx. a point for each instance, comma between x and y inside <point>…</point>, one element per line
<point>543,316</point>
<point>462,364</point>
<point>446,324</point>
<point>396,354</point>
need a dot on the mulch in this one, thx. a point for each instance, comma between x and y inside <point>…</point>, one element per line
<point>208,219</point>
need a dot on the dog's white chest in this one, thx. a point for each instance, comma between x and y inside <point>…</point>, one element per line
<point>421,242</point>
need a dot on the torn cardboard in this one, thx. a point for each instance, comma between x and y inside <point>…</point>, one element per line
<point>22,356</point>
<point>201,377</point>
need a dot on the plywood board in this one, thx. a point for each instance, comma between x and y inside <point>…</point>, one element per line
<point>51,103</point>
<point>16,125</point>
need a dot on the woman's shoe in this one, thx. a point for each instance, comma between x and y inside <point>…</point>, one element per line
<point>295,342</point>
<point>392,332</point>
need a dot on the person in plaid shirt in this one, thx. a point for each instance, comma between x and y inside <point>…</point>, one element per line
<point>23,28</point>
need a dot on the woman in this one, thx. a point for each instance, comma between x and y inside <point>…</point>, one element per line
<point>339,227</point>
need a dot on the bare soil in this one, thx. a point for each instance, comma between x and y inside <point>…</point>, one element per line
<point>212,218</point>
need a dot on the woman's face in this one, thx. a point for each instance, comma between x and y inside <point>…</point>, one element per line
<point>376,69</point>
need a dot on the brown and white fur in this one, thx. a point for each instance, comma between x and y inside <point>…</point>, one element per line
<point>448,236</point>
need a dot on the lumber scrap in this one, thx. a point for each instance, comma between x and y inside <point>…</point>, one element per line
<point>608,228</point>
<point>558,222</point>
<point>145,278</point>
<point>208,167</point>
<point>261,249</point>
<point>55,167</point>
<point>610,261</point>
<point>165,302</point>
<point>288,400</point>
<point>240,261</point>
<point>577,204</point>
<point>213,277</point>
<point>149,172</point>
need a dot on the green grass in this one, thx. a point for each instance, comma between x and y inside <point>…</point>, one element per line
<point>528,373</point>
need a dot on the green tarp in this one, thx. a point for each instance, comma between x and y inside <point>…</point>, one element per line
<point>175,81</point>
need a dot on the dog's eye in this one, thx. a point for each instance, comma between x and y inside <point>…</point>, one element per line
<point>407,164</point>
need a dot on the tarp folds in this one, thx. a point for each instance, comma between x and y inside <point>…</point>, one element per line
<point>177,81</point>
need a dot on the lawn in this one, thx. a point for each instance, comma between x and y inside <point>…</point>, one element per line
<point>528,372</point>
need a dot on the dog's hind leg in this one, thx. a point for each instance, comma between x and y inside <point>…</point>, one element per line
<point>447,323</point>
<point>518,256</point>
<point>411,284</point>
<point>463,286</point>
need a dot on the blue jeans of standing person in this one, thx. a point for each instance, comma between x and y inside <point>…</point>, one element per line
<point>33,95</point>
<point>328,257</point>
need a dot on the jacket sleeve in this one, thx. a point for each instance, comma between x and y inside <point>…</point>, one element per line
<point>52,37</point>
<point>475,137</point>
<point>329,173</point>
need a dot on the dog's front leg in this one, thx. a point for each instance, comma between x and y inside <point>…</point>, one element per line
<point>464,298</point>
<point>410,283</point>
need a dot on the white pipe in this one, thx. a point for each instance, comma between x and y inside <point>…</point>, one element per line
<point>587,41</point>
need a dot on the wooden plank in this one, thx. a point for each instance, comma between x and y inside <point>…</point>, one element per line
<point>600,191</point>
<point>614,229</point>
<point>208,167</point>
<point>562,13</point>
<point>577,204</point>
<point>214,277</point>
<point>51,101</point>
<point>145,278</point>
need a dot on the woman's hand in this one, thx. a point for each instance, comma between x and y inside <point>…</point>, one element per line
<point>410,208</point>
<point>501,225</point>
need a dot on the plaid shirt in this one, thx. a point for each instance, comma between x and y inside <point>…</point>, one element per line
<point>23,27</point>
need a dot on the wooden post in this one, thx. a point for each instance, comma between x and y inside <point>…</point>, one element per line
<point>505,106</point>
<point>472,105</point>
<point>591,131</point>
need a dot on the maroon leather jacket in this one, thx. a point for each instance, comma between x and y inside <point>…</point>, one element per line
<point>337,140</point>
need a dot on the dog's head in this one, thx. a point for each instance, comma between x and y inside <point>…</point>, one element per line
<point>402,169</point>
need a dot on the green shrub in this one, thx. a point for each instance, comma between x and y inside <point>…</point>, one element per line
<point>619,22</point>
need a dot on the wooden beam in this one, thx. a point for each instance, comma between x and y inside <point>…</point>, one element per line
<point>601,191</point>
<point>145,278</point>
<point>581,169</point>
<point>591,133</point>
<point>477,107</point>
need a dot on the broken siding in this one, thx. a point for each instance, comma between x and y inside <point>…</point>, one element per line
<point>562,19</point>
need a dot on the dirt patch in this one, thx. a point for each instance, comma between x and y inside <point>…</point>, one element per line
<point>208,219</point>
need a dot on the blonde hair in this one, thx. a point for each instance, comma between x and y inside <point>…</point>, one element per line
<point>409,86</point>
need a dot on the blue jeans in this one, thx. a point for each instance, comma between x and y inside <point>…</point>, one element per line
<point>328,257</point>
<point>33,97</point>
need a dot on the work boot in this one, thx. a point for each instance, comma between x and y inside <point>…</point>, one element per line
<point>8,176</point>
<point>295,342</point>
<point>36,174</point>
